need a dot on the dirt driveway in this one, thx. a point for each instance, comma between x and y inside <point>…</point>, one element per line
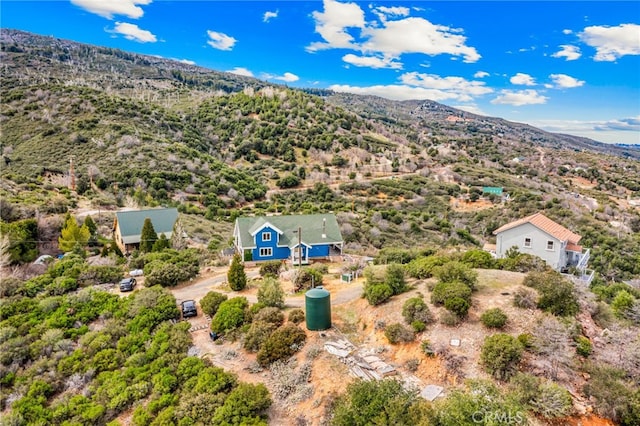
<point>197,289</point>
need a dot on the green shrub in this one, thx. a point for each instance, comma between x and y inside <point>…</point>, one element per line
<point>458,306</point>
<point>613,394</point>
<point>422,267</point>
<point>377,293</point>
<point>230,315</point>
<point>546,399</point>
<point>415,309</point>
<point>397,333</point>
<point>621,303</point>
<point>270,267</point>
<point>427,349</point>
<point>211,302</point>
<point>258,333</point>
<point>296,316</point>
<point>394,278</point>
<point>583,347</point>
<point>271,315</point>
<point>456,272</point>
<point>281,344</point>
<point>377,402</point>
<point>418,326</point>
<point>478,259</point>
<point>525,298</point>
<point>500,355</point>
<point>494,318</point>
<point>307,277</point>
<point>271,293</point>
<point>557,295</point>
<point>448,290</point>
<point>526,340</point>
<point>552,401</point>
<point>450,319</point>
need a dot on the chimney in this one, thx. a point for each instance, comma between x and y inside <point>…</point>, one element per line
<point>324,228</point>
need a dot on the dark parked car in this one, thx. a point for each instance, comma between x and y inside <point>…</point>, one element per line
<point>189,309</point>
<point>127,284</point>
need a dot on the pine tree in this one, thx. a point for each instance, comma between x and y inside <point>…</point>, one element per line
<point>72,235</point>
<point>162,243</point>
<point>93,230</point>
<point>148,236</point>
<point>91,225</point>
<point>236,276</point>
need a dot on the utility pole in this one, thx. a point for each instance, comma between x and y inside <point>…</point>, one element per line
<point>299,247</point>
<point>72,175</point>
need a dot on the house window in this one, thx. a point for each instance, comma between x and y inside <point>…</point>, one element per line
<point>266,236</point>
<point>527,242</point>
<point>266,252</point>
<point>550,245</point>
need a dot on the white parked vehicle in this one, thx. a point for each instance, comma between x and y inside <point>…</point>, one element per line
<point>136,273</point>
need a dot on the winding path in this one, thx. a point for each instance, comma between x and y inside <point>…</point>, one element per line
<point>199,288</point>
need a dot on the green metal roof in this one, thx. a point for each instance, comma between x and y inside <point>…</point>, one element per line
<point>316,229</point>
<point>492,190</point>
<point>131,222</point>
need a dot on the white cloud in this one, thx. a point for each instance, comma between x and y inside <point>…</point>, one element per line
<point>389,38</point>
<point>220,41</point>
<point>186,61</point>
<point>422,86</point>
<point>624,130</point>
<point>397,92</point>
<point>631,124</point>
<point>522,79</point>
<point>332,25</point>
<point>519,97</point>
<point>481,74</point>
<point>473,109</point>
<point>567,32</point>
<point>383,12</point>
<point>456,87</point>
<point>241,71</point>
<point>107,9</point>
<point>417,35</point>
<point>286,77</point>
<point>564,81</point>
<point>612,43</point>
<point>133,32</point>
<point>570,53</point>
<point>269,15</point>
<point>371,61</point>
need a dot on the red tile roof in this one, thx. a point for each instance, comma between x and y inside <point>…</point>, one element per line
<point>545,224</point>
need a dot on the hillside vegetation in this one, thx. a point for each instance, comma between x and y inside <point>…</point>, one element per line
<point>405,180</point>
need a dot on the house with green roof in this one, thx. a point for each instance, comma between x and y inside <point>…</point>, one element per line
<point>298,238</point>
<point>127,226</point>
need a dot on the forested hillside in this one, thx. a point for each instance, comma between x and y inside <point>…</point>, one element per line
<point>152,131</point>
<point>88,130</point>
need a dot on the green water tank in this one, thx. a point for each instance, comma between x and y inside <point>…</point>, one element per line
<point>318,306</point>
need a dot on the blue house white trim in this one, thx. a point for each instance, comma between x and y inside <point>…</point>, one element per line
<point>297,238</point>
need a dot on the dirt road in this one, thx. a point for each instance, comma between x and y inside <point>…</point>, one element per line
<point>199,288</point>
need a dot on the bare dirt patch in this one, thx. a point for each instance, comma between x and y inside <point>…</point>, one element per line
<point>466,206</point>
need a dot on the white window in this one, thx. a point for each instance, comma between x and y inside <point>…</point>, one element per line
<point>550,245</point>
<point>266,252</point>
<point>527,242</point>
<point>266,236</point>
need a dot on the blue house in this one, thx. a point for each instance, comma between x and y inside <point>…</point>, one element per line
<point>295,237</point>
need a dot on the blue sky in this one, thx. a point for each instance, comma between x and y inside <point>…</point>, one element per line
<point>571,67</point>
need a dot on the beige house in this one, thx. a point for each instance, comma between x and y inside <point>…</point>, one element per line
<point>127,226</point>
<point>540,236</point>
